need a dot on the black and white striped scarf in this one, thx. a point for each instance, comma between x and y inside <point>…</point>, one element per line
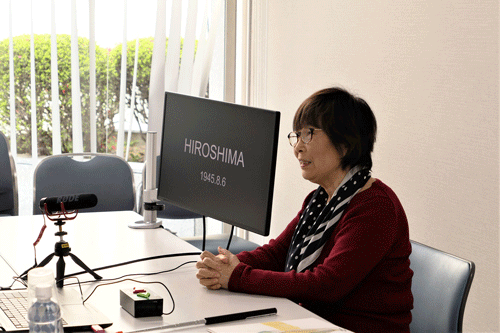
<point>318,220</point>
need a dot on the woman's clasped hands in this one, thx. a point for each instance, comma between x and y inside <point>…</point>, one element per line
<point>214,271</point>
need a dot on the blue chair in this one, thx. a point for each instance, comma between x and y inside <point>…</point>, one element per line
<point>9,202</point>
<point>213,242</point>
<point>440,286</point>
<point>107,176</point>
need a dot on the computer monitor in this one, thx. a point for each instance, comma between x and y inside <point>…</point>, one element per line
<point>218,159</point>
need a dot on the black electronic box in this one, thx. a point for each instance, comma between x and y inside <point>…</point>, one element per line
<point>138,306</point>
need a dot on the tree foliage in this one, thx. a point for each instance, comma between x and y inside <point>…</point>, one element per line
<point>108,68</point>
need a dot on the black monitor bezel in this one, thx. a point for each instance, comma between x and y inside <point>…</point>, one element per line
<point>264,228</point>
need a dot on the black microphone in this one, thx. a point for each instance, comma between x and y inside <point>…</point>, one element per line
<point>71,202</point>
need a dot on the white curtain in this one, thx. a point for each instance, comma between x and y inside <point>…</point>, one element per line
<point>92,74</point>
<point>34,148</point>
<point>123,87</point>
<point>191,77</point>
<point>132,99</point>
<point>12,103</point>
<point>75,84</point>
<point>56,119</point>
<point>251,65</point>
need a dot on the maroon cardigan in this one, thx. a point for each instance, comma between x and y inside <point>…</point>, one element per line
<point>362,279</point>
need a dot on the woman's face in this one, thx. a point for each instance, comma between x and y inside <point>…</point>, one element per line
<point>319,160</point>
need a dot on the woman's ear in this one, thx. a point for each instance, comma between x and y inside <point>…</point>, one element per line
<point>343,151</point>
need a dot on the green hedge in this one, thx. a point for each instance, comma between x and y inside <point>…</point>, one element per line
<point>108,66</point>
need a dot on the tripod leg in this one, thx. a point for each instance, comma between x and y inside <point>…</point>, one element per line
<point>60,272</point>
<point>46,260</point>
<point>85,267</point>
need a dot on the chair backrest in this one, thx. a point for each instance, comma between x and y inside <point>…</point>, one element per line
<point>9,203</point>
<point>170,211</point>
<point>107,176</point>
<point>440,287</point>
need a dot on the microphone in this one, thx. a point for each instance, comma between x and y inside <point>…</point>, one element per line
<point>71,202</point>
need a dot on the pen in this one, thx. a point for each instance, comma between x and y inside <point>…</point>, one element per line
<point>240,316</point>
<point>315,330</point>
<point>215,320</point>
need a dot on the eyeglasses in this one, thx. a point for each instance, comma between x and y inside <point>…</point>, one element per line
<point>306,136</point>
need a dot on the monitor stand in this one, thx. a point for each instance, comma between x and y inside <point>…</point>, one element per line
<point>150,221</point>
<point>145,225</point>
<point>150,194</point>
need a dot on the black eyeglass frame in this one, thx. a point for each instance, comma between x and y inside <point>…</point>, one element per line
<point>310,133</point>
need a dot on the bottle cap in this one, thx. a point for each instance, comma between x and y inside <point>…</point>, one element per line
<point>39,276</point>
<point>43,291</point>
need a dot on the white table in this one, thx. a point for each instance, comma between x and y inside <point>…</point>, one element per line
<point>101,239</point>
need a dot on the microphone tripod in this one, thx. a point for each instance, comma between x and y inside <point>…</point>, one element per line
<point>62,250</point>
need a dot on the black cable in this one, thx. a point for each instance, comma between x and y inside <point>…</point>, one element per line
<point>204,234</point>
<point>230,237</point>
<point>138,260</point>
<point>21,281</point>
<point>134,274</point>
<point>25,274</point>
<point>16,279</point>
<point>78,282</point>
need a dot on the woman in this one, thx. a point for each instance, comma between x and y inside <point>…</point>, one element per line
<point>345,255</point>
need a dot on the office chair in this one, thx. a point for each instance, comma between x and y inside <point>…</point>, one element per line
<point>107,176</point>
<point>212,242</point>
<point>9,202</point>
<point>440,287</point>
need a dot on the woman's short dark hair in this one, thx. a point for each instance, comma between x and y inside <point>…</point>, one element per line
<point>347,120</point>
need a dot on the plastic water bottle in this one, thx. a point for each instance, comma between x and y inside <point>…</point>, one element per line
<point>44,315</point>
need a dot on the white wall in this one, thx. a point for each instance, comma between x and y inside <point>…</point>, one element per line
<point>430,72</point>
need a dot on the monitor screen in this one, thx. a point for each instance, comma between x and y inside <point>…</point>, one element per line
<point>218,159</point>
